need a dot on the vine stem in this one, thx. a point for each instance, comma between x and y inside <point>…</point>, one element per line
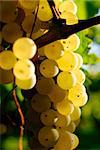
<point>62,31</point>
<point>20,146</point>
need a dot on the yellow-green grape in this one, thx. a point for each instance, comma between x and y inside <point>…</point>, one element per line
<point>7,60</point>
<point>8,11</point>
<point>54,50</point>
<point>80,60</point>
<point>62,121</point>
<point>24,69</point>
<point>41,51</point>
<point>77,122</point>
<point>66,80</point>
<point>65,141</point>
<point>57,3</point>
<point>65,107</point>
<point>28,4</point>
<point>75,115</point>
<point>11,32</point>
<point>78,95</point>
<point>44,85</point>
<point>48,68</point>
<point>26,84</point>
<point>44,12</point>
<point>80,76</point>
<point>71,127</point>
<point>24,48</point>
<point>48,136</point>
<point>48,117</point>
<point>28,23</point>
<point>6,76</point>
<point>70,18</point>
<point>67,62</point>
<point>40,103</point>
<point>69,6</point>
<point>75,141</point>
<point>57,94</point>
<point>72,43</point>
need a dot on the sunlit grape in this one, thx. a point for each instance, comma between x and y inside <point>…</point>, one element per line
<point>48,68</point>
<point>48,136</point>
<point>80,76</point>
<point>28,4</point>
<point>24,48</point>
<point>71,127</point>
<point>40,103</point>
<point>7,60</point>
<point>75,115</point>
<point>80,60</point>
<point>75,141</point>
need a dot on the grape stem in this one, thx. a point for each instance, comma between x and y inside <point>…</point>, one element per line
<point>60,30</point>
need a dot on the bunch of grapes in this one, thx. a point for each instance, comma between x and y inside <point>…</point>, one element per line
<point>59,85</point>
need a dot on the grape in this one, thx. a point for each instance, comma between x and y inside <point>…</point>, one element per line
<point>70,18</point>
<point>41,51</point>
<point>80,60</point>
<point>76,114</point>
<point>44,12</point>
<point>78,95</point>
<point>77,122</point>
<point>57,94</point>
<point>62,121</point>
<point>71,127</point>
<point>65,141</point>
<point>48,136</point>
<point>6,76</point>
<point>26,84</point>
<point>54,50</point>
<point>24,69</point>
<point>45,85</point>
<point>72,43</point>
<point>24,48</point>
<point>67,62</point>
<point>40,103</point>
<point>28,4</point>
<point>48,117</point>
<point>7,60</point>
<point>68,6</point>
<point>75,141</point>
<point>8,11</point>
<point>28,23</point>
<point>48,68</point>
<point>80,76</point>
<point>65,107</point>
<point>66,80</point>
<point>11,32</point>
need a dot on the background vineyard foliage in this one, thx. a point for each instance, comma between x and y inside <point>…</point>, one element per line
<point>88,130</point>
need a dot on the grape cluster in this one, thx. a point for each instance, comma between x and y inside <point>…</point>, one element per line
<point>59,88</point>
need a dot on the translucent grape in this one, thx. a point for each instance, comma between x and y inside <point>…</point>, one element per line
<point>7,60</point>
<point>67,62</point>
<point>48,68</point>
<point>48,136</point>
<point>65,141</point>
<point>28,4</point>
<point>76,114</point>
<point>62,121</point>
<point>57,94</point>
<point>66,80</point>
<point>41,51</point>
<point>75,141</point>
<point>48,117</point>
<point>80,60</point>
<point>11,32</point>
<point>28,23</point>
<point>24,69</point>
<point>6,76</point>
<point>44,12</point>
<point>40,103</point>
<point>68,6</point>
<point>71,127</point>
<point>54,50</point>
<point>65,107</point>
<point>80,76</point>
<point>72,43</point>
<point>24,48</point>
<point>44,85</point>
<point>26,84</point>
<point>77,122</point>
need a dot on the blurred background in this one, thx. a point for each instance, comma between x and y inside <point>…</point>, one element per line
<point>89,129</point>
